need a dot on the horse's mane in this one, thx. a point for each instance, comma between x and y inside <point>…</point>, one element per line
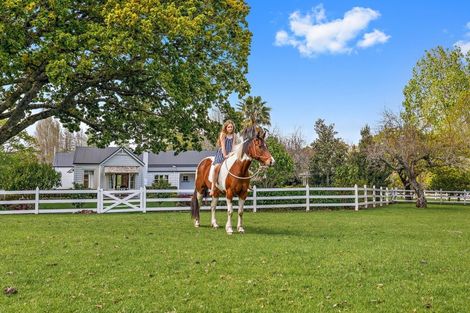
<point>246,137</point>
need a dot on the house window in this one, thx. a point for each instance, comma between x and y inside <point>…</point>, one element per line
<point>161,178</point>
<point>132,182</point>
<point>185,178</point>
<point>88,179</point>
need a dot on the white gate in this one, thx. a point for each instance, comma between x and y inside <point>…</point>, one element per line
<point>121,201</point>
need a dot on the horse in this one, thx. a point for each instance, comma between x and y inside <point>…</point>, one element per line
<point>233,179</point>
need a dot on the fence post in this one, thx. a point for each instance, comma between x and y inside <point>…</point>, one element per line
<point>144,198</point>
<point>386,196</point>
<point>356,198</point>
<point>440,191</point>
<point>36,201</point>
<point>307,193</point>
<point>254,199</point>
<point>366,203</point>
<point>99,206</point>
<point>381,196</point>
<point>373,196</point>
<point>464,197</point>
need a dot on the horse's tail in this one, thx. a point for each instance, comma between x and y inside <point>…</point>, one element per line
<point>195,206</point>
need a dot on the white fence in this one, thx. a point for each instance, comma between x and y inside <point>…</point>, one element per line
<point>147,200</point>
<point>432,196</point>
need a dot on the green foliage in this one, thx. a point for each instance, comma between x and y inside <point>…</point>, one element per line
<point>439,79</point>
<point>359,168</point>
<point>140,71</point>
<point>379,260</point>
<point>163,185</point>
<point>449,178</point>
<point>19,174</point>
<point>255,112</point>
<point>437,99</point>
<point>282,174</point>
<point>329,153</point>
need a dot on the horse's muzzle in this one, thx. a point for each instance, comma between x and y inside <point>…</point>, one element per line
<point>271,162</point>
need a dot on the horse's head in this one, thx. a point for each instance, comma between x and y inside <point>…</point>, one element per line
<point>255,147</point>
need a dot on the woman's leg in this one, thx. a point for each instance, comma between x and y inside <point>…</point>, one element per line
<point>215,177</point>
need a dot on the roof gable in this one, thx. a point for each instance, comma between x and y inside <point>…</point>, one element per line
<point>126,151</point>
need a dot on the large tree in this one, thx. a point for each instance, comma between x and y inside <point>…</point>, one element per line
<point>282,174</point>
<point>329,153</point>
<point>142,72</point>
<point>405,149</point>
<point>437,98</point>
<point>358,168</point>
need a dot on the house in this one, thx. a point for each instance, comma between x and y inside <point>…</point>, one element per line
<point>119,168</point>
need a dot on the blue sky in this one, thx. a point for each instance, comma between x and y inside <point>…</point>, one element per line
<point>337,72</point>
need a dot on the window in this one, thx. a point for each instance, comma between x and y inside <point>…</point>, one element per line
<point>161,177</point>
<point>88,179</point>
<point>132,182</point>
<point>185,178</point>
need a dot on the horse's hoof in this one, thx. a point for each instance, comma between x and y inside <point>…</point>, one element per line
<point>214,225</point>
<point>196,224</point>
<point>229,231</point>
<point>241,230</point>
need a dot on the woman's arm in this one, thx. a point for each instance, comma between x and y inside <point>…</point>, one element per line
<point>222,145</point>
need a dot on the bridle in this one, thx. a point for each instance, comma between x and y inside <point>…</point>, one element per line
<point>263,167</point>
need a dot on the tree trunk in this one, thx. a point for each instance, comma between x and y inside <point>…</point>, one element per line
<point>406,184</point>
<point>421,201</point>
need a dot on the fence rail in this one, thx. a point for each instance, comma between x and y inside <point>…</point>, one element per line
<point>148,200</point>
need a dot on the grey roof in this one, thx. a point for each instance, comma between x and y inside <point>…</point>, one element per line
<point>187,158</point>
<point>63,159</point>
<point>89,155</point>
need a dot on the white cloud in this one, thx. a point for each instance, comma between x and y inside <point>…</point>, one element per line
<point>313,34</point>
<point>373,38</point>
<point>464,46</point>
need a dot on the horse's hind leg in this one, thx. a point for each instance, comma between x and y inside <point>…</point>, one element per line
<point>197,223</point>
<point>213,208</point>
<point>240,216</point>
<point>228,226</point>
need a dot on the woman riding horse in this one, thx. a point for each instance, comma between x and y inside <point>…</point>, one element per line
<point>234,177</point>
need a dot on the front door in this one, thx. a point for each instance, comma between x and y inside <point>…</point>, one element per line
<point>121,181</point>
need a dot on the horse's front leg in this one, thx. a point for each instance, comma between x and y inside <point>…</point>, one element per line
<point>213,208</point>
<point>240,216</point>
<point>228,226</point>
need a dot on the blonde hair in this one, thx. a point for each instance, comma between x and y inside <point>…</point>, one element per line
<point>223,132</point>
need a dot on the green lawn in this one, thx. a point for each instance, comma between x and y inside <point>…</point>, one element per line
<point>393,259</point>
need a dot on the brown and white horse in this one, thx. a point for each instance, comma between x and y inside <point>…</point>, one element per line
<point>234,177</point>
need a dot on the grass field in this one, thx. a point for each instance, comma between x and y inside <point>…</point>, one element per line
<point>393,259</point>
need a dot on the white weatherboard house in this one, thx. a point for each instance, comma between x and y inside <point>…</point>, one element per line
<point>119,168</point>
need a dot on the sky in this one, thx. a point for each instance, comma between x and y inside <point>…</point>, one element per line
<point>344,61</point>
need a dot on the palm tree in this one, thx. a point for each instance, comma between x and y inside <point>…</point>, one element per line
<point>255,111</point>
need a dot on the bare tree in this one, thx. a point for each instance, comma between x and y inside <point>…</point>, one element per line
<point>48,135</point>
<point>296,147</point>
<point>410,151</point>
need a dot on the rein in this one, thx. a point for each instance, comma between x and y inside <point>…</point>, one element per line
<point>248,177</point>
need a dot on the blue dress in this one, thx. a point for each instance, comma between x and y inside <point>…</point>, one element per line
<point>219,157</point>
